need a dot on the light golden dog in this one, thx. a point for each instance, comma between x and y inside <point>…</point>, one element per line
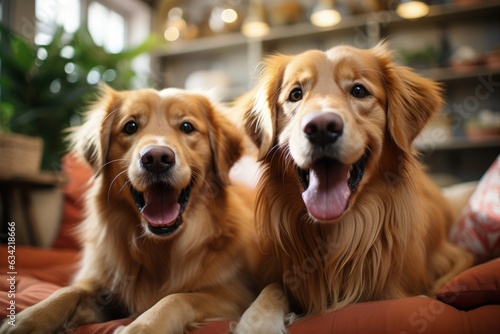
<point>343,199</point>
<point>166,237</point>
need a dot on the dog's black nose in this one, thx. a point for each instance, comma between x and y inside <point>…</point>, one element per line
<point>322,128</point>
<point>157,159</point>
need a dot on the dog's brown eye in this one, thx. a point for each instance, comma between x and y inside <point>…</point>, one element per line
<point>187,127</point>
<point>359,92</point>
<point>130,128</point>
<point>295,95</point>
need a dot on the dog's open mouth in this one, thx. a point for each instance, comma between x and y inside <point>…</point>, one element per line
<point>162,207</point>
<point>328,185</point>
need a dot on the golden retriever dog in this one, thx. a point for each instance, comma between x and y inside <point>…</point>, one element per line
<point>343,198</point>
<point>166,237</point>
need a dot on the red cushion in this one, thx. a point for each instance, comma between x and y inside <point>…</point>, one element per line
<point>27,291</point>
<point>78,174</point>
<point>477,286</point>
<point>48,265</point>
<point>409,315</point>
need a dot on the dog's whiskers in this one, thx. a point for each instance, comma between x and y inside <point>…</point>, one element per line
<point>142,235</point>
<point>197,176</point>
<point>113,181</point>
<point>288,159</point>
<point>124,184</point>
<point>284,151</point>
<point>287,156</point>
<point>109,163</point>
<point>273,151</point>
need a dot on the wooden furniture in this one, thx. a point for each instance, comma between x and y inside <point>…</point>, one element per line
<point>11,186</point>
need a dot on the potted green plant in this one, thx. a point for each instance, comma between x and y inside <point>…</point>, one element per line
<point>43,87</point>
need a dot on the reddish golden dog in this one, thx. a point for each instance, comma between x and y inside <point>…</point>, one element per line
<point>166,237</point>
<point>343,198</point>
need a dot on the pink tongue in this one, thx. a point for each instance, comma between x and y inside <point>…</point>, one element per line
<point>161,207</point>
<point>328,193</point>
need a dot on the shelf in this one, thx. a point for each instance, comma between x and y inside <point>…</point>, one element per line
<point>205,44</point>
<point>450,74</point>
<point>450,12</point>
<point>460,143</point>
<point>306,29</point>
<point>42,179</point>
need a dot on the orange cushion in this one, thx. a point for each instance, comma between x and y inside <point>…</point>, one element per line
<point>48,265</point>
<point>408,315</point>
<point>78,174</point>
<point>27,291</point>
<point>477,286</point>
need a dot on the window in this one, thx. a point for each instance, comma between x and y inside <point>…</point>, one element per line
<point>113,24</point>
<point>53,13</point>
<point>107,27</point>
<point>4,8</point>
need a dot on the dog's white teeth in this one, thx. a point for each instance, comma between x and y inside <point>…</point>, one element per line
<point>349,172</point>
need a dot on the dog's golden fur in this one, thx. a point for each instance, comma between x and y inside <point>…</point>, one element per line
<point>390,240</point>
<point>177,275</point>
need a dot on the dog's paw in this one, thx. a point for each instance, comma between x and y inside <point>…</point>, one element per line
<point>255,322</point>
<point>268,328</point>
<point>21,327</point>
<point>6,327</point>
<point>290,318</point>
<point>119,330</point>
<point>130,329</point>
<point>32,320</point>
<point>137,328</point>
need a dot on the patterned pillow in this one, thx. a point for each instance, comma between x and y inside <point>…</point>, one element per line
<point>478,228</point>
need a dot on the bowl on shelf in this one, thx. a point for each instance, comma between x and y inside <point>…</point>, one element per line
<point>465,59</point>
<point>480,132</point>
<point>492,59</point>
<point>485,126</point>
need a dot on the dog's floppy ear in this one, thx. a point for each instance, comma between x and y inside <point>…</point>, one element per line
<point>260,104</point>
<point>411,99</point>
<point>91,139</point>
<point>226,143</point>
